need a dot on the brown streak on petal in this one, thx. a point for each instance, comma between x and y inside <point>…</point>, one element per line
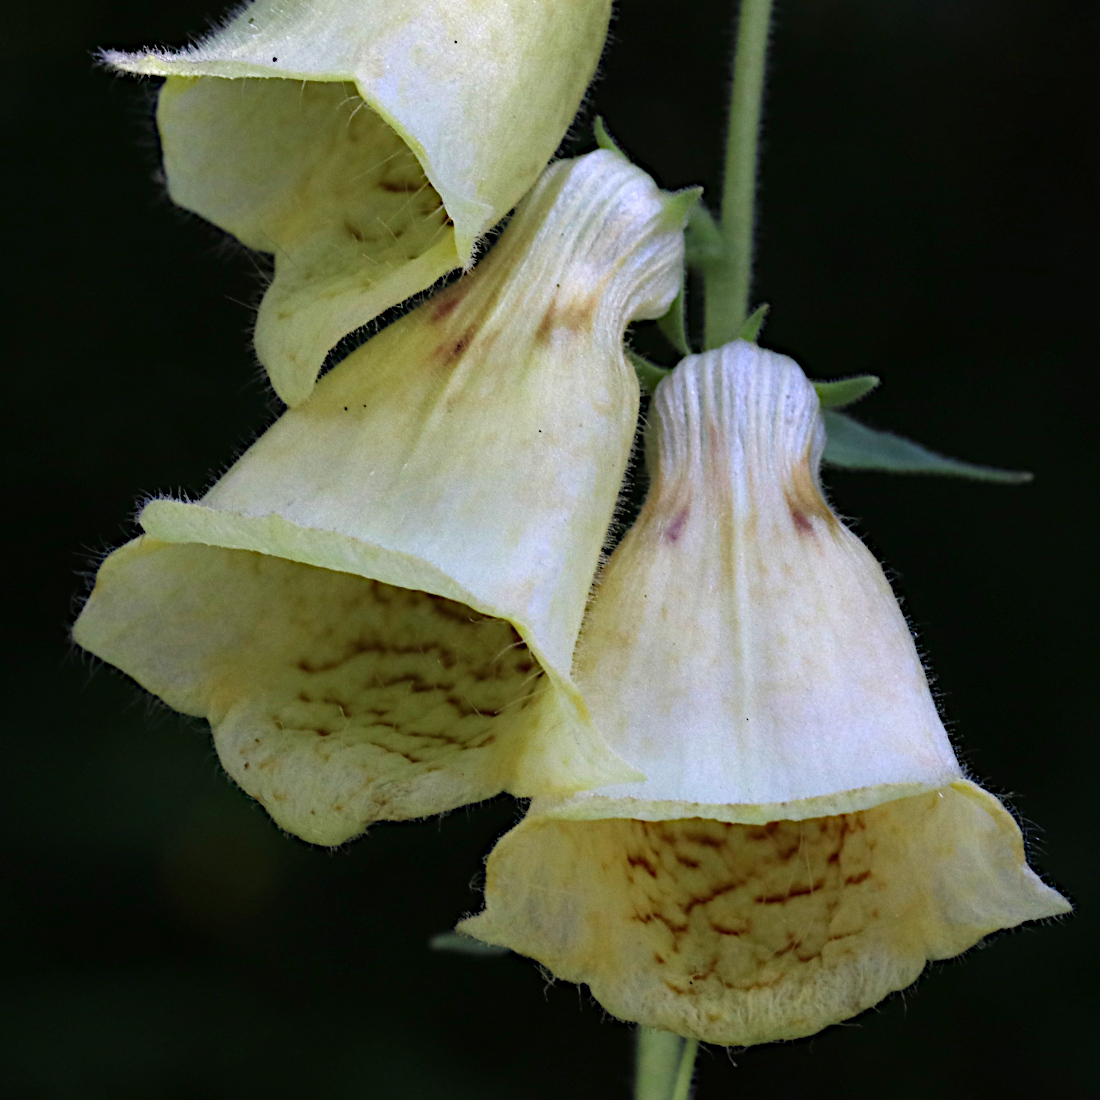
<point>705,839</point>
<point>805,501</point>
<point>794,892</point>
<point>575,317</point>
<point>744,929</point>
<point>448,303</point>
<point>448,353</point>
<point>641,861</point>
<point>710,895</point>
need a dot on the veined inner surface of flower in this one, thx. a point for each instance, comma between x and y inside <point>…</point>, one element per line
<point>804,840</point>
<point>377,606</point>
<point>367,146</point>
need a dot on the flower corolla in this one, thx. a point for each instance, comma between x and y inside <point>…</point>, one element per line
<point>377,606</point>
<point>367,145</point>
<point>805,840</point>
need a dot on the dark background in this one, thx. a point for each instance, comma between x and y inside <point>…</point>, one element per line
<point>927,199</point>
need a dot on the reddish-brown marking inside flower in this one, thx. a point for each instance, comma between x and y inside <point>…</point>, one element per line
<point>676,528</point>
<point>641,861</point>
<point>801,522</point>
<point>449,353</point>
<point>805,501</point>
<point>448,303</point>
<point>574,316</point>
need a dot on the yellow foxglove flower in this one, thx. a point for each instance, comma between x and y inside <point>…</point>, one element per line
<point>377,606</point>
<point>368,145</point>
<point>804,840</point>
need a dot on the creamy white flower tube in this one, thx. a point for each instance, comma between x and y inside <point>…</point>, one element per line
<point>367,145</point>
<point>745,647</point>
<point>377,606</point>
<point>804,840</point>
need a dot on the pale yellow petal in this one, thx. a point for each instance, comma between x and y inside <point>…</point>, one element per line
<point>472,451</point>
<point>368,146</point>
<point>310,174</point>
<point>741,934</point>
<point>334,700</point>
<point>744,649</point>
<point>803,842</point>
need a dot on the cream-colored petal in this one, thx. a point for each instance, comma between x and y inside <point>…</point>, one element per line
<point>803,842</point>
<point>368,146</point>
<point>310,174</point>
<point>334,700</point>
<point>743,649</point>
<point>474,451</point>
<point>740,934</point>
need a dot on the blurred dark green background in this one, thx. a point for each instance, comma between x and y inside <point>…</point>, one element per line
<point>927,214</point>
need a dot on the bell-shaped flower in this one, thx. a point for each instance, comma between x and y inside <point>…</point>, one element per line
<point>377,606</point>
<point>805,839</point>
<point>367,145</point>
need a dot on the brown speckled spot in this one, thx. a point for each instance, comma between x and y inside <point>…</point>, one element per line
<point>414,674</point>
<point>740,934</point>
<point>742,906</point>
<point>366,687</point>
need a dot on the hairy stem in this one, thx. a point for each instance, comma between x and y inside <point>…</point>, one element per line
<point>728,277</point>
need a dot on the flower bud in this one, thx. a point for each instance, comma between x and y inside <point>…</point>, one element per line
<point>367,145</point>
<point>377,606</point>
<point>804,840</point>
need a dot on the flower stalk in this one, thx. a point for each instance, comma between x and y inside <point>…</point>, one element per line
<point>686,1070</point>
<point>663,1065</point>
<point>728,275</point>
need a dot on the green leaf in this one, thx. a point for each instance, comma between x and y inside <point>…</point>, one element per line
<point>458,943</point>
<point>604,140</point>
<point>751,326</point>
<point>678,205</point>
<point>649,374</point>
<point>854,446</point>
<point>673,325</point>
<point>845,391</point>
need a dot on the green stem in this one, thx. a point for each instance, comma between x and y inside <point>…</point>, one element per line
<point>728,278</point>
<point>663,1065</point>
<point>657,1057</point>
<point>686,1070</point>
